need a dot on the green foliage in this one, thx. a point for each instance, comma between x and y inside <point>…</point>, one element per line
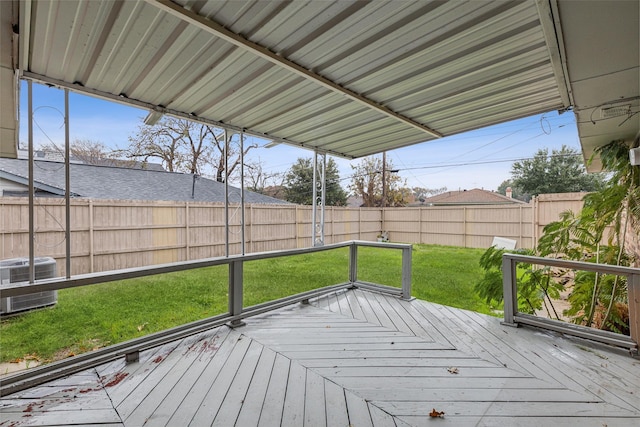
<point>587,301</point>
<point>516,192</point>
<point>567,236</point>
<point>596,299</point>
<point>298,184</point>
<point>621,194</point>
<point>560,172</point>
<point>536,286</point>
<point>489,287</point>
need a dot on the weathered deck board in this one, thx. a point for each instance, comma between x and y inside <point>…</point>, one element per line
<point>273,406</point>
<point>350,358</point>
<point>335,404</point>
<point>257,391</point>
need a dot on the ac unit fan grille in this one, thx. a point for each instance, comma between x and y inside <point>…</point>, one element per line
<point>17,270</point>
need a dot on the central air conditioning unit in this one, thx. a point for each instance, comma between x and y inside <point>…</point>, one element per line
<point>16,270</point>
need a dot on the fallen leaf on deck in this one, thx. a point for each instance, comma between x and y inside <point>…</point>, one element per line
<point>453,370</point>
<point>436,414</point>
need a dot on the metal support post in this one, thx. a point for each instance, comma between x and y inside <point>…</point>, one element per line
<point>319,187</point>
<point>242,219</point>
<point>510,291</point>
<point>226,194</point>
<point>406,273</point>
<point>633,289</point>
<point>353,263</point>
<point>235,292</point>
<point>67,186</point>
<point>32,236</point>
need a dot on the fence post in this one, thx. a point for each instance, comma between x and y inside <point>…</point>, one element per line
<point>91,244</point>
<point>186,232</point>
<point>420,225</point>
<point>235,292</point>
<point>464,227</point>
<point>406,273</point>
<point>633,290</point>
<point>510,291</point>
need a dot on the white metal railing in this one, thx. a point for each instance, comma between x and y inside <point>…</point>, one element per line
<point>513,318</point>
<point>237,311</point>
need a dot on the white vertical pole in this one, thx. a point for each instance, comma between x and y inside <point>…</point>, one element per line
<point>67,185</point>
<point>323,177</point>
<point>226,192</point>
<point>242,219</point>
<point>319,172</point>
<point>32,267</point>
<point>314,201</point>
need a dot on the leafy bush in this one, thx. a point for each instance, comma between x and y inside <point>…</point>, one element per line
<point>536,286</point>
<point>599,300</point>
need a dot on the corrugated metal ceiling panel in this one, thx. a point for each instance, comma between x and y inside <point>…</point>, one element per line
<point>451,66</point>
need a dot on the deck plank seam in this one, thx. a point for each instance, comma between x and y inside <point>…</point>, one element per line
<point>109,397</point>
<point>569,382</point>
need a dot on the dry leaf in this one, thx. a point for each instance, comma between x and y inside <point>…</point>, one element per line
<point>452,370</point>
<point>436,414</point>
<point>141,327</point>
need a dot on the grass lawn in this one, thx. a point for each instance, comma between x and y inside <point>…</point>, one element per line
<point>94,316</point>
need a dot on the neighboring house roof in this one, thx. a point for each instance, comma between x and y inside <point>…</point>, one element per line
<point>107,182</point>
<point>475,196</point>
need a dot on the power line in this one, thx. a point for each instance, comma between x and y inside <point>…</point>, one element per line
<point>455,165</point>
<point>486,162</point>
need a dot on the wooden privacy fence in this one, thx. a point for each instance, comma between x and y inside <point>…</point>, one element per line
<point>115,234</point>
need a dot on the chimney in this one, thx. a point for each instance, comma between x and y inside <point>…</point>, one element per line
<point>509,193</point>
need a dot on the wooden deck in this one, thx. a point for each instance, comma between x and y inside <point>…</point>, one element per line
<point>352,358</point>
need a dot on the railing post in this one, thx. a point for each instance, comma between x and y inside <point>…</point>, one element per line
<point>633,290</point>
<point>406,273</point>
<point>235,292</point>
<point>510,291</point>
<point>353,262</point>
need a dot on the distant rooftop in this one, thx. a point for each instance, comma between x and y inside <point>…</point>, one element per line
<point>475,196</point>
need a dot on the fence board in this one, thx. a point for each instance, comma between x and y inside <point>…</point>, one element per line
<point>114,234</point>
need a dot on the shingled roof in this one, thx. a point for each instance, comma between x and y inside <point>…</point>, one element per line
<point>475,196</point>
<point>108,182</point>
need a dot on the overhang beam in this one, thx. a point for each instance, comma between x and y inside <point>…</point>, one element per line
<point>550,23</point>
<point>29,76</point>
<point>218,30</point>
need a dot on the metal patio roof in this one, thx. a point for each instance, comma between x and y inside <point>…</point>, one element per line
<point>350,78</point>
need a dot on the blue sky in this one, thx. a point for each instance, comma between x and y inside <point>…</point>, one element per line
<point>476,159</point>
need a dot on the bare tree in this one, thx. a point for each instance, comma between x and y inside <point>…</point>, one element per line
<point>367,183</point>
<point>166,141</point>
<point>421,193</point>
<point>260,181</point>
<point>234,157</point>
<point>185,146</point>
<point>90,152</point>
